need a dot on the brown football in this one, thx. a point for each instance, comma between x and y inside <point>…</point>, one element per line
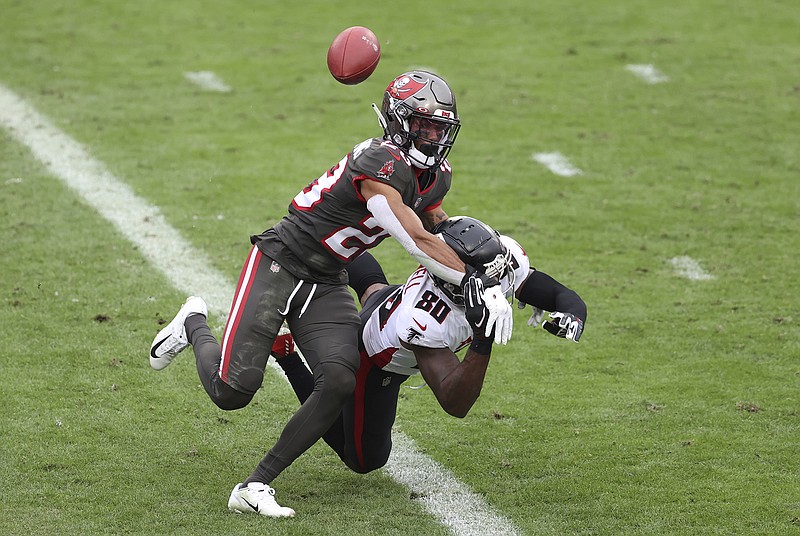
<point>353,55</point>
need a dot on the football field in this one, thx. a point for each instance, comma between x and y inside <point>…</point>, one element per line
<point>645,153</point>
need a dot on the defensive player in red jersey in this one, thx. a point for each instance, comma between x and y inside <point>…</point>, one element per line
<point>418,327</point>
<point>387,186</point>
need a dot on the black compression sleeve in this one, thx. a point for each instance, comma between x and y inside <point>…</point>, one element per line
<point>363,272</point>
<point>541,290</point>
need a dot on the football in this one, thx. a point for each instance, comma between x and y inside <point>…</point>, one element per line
<point>353,55</point>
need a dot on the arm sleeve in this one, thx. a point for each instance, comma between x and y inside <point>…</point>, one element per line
<point>544,292</point>
<point>380,209</point>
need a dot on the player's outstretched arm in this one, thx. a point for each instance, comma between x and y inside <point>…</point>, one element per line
<point>546,294</point>
<point>403,224</point>
<point>457,384</point>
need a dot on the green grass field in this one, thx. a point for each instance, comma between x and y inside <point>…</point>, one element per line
<point>679,411</point>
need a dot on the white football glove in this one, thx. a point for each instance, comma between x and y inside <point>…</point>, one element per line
<point>501,316</point>
<point>564,325</point>
<point>536,318</point>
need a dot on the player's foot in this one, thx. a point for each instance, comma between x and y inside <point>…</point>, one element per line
<point>283,345</point>
<point>171,340</point>
<point>257,498</point>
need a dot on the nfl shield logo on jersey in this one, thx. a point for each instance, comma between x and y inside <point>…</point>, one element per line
<point>275,267</point>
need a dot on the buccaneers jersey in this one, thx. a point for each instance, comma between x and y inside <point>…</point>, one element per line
<point>420,314</point>
<point>328,224</point>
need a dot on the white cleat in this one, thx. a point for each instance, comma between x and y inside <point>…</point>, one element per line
<point>257,498</point>
<point>171,340</point>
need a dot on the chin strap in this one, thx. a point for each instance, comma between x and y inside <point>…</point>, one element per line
<point>415,154</point>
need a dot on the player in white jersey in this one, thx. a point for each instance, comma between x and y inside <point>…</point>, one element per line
<point>420,313</point>
<point>420,326</point>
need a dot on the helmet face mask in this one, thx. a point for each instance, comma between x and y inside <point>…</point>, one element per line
<point>419,115</point>
<point>432,136</point>
<point>478,246</point>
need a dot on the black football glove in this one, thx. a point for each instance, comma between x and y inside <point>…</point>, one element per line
<point>475,308</point>
<point>486,281</point>
<point>564,325</point>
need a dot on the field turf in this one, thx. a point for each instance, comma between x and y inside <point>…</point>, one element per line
<point>677,413</point>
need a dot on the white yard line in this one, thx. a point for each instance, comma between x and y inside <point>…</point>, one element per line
<point>557,163</point>
<point>185,266</point>
<point>648,73</point>
<point>208,81</point>
<point>690,269</point>
<point>450,501</point>
<point>190,271</point>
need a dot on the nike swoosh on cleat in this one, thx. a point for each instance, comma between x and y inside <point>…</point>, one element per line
<point>255,508</point>
<point>155,347</point>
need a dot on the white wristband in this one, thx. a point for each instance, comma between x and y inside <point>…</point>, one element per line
<point>380,209</point>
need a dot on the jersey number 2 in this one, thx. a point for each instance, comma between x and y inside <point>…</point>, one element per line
<point>345,243</point>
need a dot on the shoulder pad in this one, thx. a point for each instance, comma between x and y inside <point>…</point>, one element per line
<point>381,159</point>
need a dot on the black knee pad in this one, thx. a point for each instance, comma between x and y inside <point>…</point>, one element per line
<point>372,461</point>
<point>228,398</point>
<point>338,380</point>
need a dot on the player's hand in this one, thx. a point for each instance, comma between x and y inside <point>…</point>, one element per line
<point>501,316</point>
<point>475,308</point>
<point>564,325</point>
<point>536,317</point>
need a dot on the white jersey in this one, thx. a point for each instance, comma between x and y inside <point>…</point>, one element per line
<point>419,313</point>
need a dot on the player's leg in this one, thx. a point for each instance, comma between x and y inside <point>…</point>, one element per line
<point>368,420</point>
<point>232,372</point>
<point>207,356</point>
<point>300,378</point>
<point>362,435</point>
<point>369,416</point>
<point>326,330</point>
<point>302,381</point>
<point>366,276</point>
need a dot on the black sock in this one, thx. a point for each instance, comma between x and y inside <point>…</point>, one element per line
<point>300,378</point>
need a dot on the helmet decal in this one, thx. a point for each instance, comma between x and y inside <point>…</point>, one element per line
<point>403,87</point>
